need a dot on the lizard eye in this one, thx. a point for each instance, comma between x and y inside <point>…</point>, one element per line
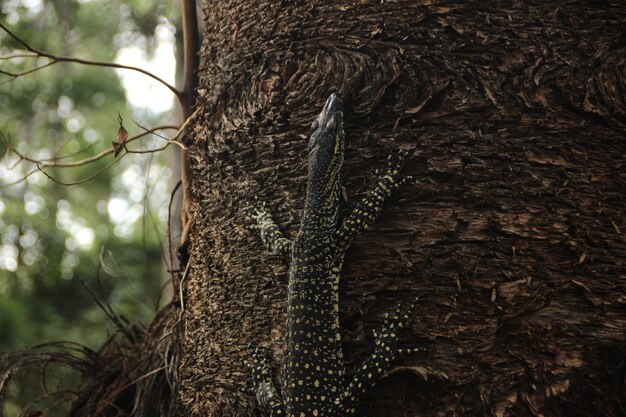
<point>315,125</point>
<point>331,124</point>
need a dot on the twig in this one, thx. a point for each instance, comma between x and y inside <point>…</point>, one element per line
<point>19,74</point>
<point>92,176</point>
<point>18,56</point>
<point>69,155</point>
<point>24,178</point>
<point>155,133</point>
<point>173,140</point>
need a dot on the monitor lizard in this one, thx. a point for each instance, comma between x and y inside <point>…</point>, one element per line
<point>313,377</point>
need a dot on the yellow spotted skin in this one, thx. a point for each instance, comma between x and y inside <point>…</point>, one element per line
<point>313,381</point>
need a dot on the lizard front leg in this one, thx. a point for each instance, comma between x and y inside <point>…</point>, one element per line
<point>266,393</point>
<point>271,235</point>
<point>368,209</point>
<point>379,362</point>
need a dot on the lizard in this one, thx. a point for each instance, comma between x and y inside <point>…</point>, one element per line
<point>313,375</point>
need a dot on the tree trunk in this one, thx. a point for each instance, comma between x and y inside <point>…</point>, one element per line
<point>512,226</point>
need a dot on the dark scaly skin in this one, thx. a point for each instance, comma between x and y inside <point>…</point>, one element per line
<point>313,376</point>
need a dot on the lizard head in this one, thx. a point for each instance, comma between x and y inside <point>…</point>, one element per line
<point>326,147</point>
<point>327,137</point>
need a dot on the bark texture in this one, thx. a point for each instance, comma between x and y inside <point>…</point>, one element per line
<point>512,227</point>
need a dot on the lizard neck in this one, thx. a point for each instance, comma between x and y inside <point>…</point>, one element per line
<point>321,209</point>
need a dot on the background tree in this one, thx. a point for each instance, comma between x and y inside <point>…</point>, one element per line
<point>513,227</point>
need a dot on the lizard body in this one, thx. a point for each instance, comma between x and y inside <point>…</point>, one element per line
<point>313,377</point>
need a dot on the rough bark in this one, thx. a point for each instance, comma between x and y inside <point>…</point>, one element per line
<point>512,227</point>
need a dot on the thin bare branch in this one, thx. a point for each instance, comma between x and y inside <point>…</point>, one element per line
<point>171,140</point>
<point>172,127</point>
<point>141,151</point>
<point>59,58</point>
<point>155,133</point>
<point>183,127</point>
<point>69,155</point>
<point>92,176</point>
<point>15,75</point>
<point>5,57</point>
<point>174,139</point>
<point>21,180</point>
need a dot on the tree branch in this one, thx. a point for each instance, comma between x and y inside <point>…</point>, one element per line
<point>48,163</point>
<point>191,45</point>
<point>18,56</point>
<point>191,42</point>
<point>21,180</point>
<point>53,162</point>
<point>90,177</point>
<point>59,58</point>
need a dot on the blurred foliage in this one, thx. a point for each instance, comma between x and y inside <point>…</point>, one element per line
<point>54,238</point>
<point>106,234</point>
